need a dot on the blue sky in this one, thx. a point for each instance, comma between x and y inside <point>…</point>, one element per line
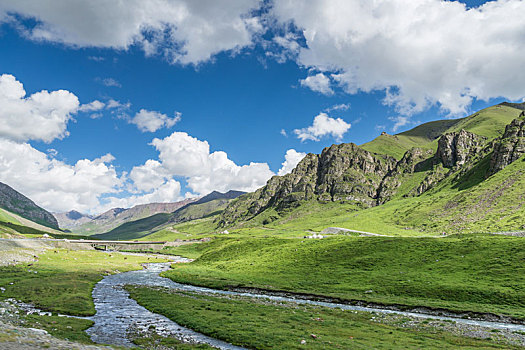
<point>252,93</point>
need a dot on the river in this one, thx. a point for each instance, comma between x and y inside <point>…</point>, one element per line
<point>116,313</point>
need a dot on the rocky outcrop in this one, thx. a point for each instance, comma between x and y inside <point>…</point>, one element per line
<point>455,149</point>
<point>340,173</point>
<point>416,159</point>
<point>17,203</point>
<point>510,147</point>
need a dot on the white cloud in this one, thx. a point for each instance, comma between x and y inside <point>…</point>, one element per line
<point>420,53</point>
<point>117,104</point>
<point>53,184</point>
<point>319,83</point>
<point>185,156</point>
<point>323,125</point>
<point>149,176</point>
<point>184,31</point>
<point>284,133</point>
<point>49,111</point>
<point>110,82</point>
<point>339,107</point>
<point>399,121</point>
<point>166,192</point>
<point>93,106</point>
<point>291,159</point>
<point>152,121</point>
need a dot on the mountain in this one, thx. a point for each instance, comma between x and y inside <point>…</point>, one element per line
<point>231,194</point>
<point>115,217</point>
<point>450,174</point>
<point>72,219</point>
<point>17,203</point>
<point>210,204</point>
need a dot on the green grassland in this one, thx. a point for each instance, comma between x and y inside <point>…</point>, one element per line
<point>479,273</point>
<point>266,325</point>
<point>61,281</point>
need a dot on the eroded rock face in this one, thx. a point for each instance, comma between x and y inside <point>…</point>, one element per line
<point>340,173</point>
<point>456,148</point>
<point>510,147</point>
<point>414,160</point>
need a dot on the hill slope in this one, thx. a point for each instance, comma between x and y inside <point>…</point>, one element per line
<point>456,179</point>
<point>17,203</point>
<point>489,122</point>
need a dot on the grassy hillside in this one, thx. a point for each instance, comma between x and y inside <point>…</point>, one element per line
<point>15,202</point>
<point>489,122</point>
<point>6,216</point>
<point>481,273</point>
<point>13,225</point>
<point>420,136</point>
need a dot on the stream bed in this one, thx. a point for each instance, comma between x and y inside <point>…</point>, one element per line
<point>116,313</point>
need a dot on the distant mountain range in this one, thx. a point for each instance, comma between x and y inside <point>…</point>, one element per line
<point>15,202</point>
<point>210,204</point>
<point>89,225</point>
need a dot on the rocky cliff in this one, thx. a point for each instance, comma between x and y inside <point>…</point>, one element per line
<point>17,203</point>
<point>510,147</point>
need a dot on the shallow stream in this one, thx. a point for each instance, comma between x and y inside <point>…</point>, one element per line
<point>117,313</point>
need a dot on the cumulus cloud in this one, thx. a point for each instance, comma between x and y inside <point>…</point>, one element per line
<point>319,83</point>
<point>50,111</point>
<point>168,191</point>
<point>183,155</point>
<point>323,125</point>
<point>152,121</point>
<point>93,106</point>
<point>148,176</point>
<point>87,185</point>
<point>54,184</point>
<point>291,159</point>
<point>184,31</point>
<point>420,53</point>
